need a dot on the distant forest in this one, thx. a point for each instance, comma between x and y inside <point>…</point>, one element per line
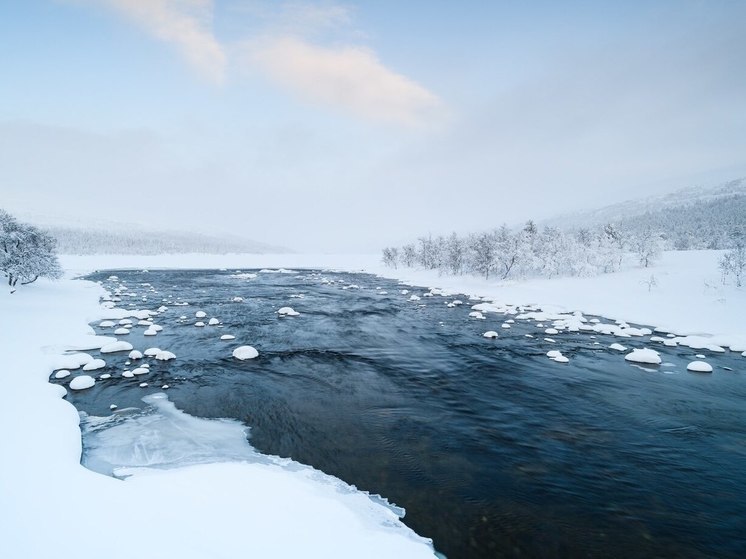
<point>99,241</point>
<point>595,243</point>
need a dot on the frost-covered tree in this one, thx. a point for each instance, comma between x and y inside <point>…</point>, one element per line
<point>733,262</point>
<point>455,254</point>
<point>391,257</point>
<point>409,255</point>
<point>482,254</point>
<point>647,247</point>
<point>26,253</point>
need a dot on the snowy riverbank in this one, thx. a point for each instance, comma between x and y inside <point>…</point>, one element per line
<point>54,507</point>
<point>687,298</point>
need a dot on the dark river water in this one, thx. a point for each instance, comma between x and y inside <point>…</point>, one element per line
<point>493,449</point>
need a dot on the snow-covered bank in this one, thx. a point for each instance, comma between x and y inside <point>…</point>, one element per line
<point>54,507</point>
<point>685,296</point>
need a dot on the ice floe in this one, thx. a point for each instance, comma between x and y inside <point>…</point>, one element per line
<point>649,356</point>
<point>116,346</point>
<point>699,367</point>
<point>287,311</point>
<point>245,352</point>
<point>82,382</point>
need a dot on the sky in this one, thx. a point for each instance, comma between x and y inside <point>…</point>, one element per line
<point>349,126</point>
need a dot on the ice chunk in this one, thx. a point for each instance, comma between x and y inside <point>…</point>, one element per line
<point>699,367</point>
<point>227,337</point>
<point>150,332</point>
<point>105,376</point>
<point>490,334</point>
<point>134,354</point>
<point>165,356</point>
<point>618,347</point>
<point>199,324</point>
<point>551,331</point>
<point>121,331</point>
<point>116,346</point>
<point>152,351</point>
<point>106,324</point>
<point>62,373</point>
<point>245,352</point>
<point>237,299</point>
<point>94,365</point>
<point>649,356</point>
<point>287,311</point>
<point>476,314</point>
<point>213,321</point>
<point>200,314</point>
<point>82,382</point>
<point>140,371</point>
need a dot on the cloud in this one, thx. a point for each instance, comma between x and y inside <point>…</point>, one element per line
<point>185,24</point>
<point>349,77</point>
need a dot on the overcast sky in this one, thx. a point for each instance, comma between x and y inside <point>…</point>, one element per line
<point>348,126</point>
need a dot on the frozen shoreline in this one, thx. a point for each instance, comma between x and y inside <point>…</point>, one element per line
<point>54,507</point>
<point>688,299</point>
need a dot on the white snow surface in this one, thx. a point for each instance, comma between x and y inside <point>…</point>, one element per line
<point>245,352</point>
<point>225,509</point>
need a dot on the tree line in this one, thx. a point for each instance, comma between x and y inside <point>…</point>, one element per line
<point>27,253</point>
<point>528,252</point>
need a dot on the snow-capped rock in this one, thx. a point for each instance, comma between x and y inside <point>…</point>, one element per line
<point>648,356</point>
<point>82,382</point>
<point>245,352</point>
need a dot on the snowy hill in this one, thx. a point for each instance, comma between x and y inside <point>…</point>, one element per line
<point>694,217</point>
<point>138,241</point>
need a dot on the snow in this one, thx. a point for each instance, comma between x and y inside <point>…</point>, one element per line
<point>649,356</point>
<point>213,322</point>
<point>617,347</point>
<point>699,367</point>
<point>152,351</point>
<point>121,332</point>
<point>265,508</point>
<point>62,373</point>
<point>287,311</point>
<point>245,352</point>
<point>116,346</point>
<point>227,337</point>
<point>82,382</point>
<point>164,356</point>
<point>106,324</point>
<point>94,365</point>
<point>200,314</point>
<point>490,334</point>
<point>150,332</point>
<point>134,354</point>
<point>199,324</point>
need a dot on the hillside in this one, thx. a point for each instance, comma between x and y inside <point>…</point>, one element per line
<point>72,240</point>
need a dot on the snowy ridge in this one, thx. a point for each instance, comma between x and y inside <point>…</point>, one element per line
<point>625,210</point>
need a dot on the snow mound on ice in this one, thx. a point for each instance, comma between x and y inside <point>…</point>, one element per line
<point>245,352</point>
<point>287,311</point>
<point>699,367</point>
<point>116,346</point>
<point>94,365</point>
<point>165,356</point>
<point>649,356</point>
<point>82,382</point>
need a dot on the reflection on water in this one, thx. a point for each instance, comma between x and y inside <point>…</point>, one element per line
<point>493,449</point>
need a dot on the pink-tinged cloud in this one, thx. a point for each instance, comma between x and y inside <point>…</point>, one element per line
<point>184,24</point>
<point>351,78</point>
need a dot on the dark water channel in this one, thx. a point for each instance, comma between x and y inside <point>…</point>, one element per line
<point>493,449</point>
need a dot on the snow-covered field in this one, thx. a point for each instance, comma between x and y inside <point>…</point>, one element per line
<point>52,506</point>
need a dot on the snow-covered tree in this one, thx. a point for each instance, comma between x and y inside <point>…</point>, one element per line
<point>733,262</point>
<point>482,254</point>
<point>391,257</point>
<point>455,254</point>
<point>409,255</point>
<point>26,253</point>
<point>647,247</point>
